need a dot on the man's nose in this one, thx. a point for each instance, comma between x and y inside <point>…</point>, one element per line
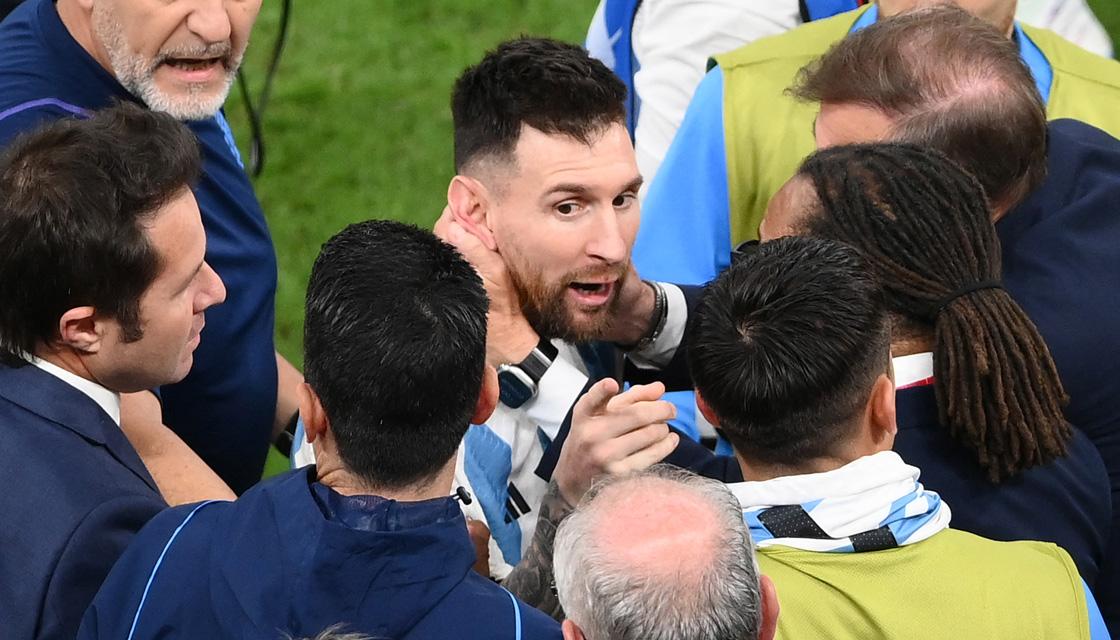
<point>215,290</point>
<point>209,20</point>
<point>608,242</point>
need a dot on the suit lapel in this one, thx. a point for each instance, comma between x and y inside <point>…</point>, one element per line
<point>52,399</point>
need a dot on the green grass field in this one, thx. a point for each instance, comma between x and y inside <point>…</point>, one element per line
<point>359,125</point>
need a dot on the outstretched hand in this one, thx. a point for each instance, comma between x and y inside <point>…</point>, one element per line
<point>614,433</point>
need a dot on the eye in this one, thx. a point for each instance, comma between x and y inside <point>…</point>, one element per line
<point>623,200</point>
<point>567,208</point>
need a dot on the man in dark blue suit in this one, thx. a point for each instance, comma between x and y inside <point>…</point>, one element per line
<point>103,292</point>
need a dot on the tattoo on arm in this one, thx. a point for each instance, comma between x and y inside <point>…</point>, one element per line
<point>531,580</point>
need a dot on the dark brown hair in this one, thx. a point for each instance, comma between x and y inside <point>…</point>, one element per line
<point>75,196</point>
<point>922,224</point>
<point>950,81</point>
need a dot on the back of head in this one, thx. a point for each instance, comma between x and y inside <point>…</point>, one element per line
<point>922,224</point>
<point>785,347</point>
<point>551,86</point>
<point>75,198</point>
<point>949,81</point>
<point>659,555</point>
<point>395,345</point>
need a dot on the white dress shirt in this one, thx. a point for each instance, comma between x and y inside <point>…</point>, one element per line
<point>109,401</point>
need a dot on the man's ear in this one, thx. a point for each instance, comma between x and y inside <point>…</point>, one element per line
<point>882,413</point>
<point>706,409</point>
<point>315,421</point>
<point>770,608</point>
<point>80,329</point>
<point>469,201</point>
<point>487,396</point>
<point>571,631</point>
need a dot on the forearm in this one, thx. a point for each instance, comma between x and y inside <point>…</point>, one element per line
<point>531,580</point>
<point>288,379</point>
<point>180,475</point>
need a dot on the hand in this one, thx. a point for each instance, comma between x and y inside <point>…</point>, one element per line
<point>636,304</point>
<point>480,538</point>
<point>614,433</point>
<point>509,338</point>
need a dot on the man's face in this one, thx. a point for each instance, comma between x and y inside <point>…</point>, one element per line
<point>171,309</point>
<point>564,219</point>
<point>178,56</point>
<point>849,123</point>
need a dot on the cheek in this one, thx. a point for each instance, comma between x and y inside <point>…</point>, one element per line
<point>242,18</point>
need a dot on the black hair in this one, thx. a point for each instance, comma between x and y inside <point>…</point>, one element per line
<point>395,346</point>
<point>554,87</point>
<point>923,224</point>
<point>785,347</point>
<point>75,198</point>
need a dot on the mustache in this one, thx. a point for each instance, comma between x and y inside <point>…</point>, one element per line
<point>220,50</point>
<point>617,271</point>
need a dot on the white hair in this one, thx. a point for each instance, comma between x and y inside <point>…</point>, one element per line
<point>609,600</point>
<point>136,72</point>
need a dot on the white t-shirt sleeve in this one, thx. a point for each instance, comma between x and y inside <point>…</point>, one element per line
<point>672,41</point>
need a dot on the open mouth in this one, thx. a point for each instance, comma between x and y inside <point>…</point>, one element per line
<point>591,293</point>
<point>193,64</point>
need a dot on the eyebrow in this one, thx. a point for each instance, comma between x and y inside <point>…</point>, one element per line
<point>582,190</point>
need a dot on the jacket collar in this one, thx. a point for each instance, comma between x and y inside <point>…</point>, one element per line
<point>52,399</point>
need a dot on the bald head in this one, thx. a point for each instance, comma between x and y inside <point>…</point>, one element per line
<point>660,554</point>
<point>656,529</point>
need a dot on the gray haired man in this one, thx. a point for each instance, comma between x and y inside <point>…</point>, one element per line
<point>661,554</point>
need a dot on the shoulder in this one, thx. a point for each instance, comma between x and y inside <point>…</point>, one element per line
<point>797,46</point>
<point>1025,556</point>
<point>28,115</point>
<point>493,612</point>
<point>1071,60</point>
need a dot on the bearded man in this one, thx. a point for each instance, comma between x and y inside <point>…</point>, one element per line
<point>70,57</point>
<point>545,207</point>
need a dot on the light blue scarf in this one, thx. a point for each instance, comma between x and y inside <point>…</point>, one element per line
<point>872,503</point>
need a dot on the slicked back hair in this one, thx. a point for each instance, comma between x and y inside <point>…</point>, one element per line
<point>395,345</point>
<point>950,81</point>
<point>613,600</point>
<point>551,86</point>
<point>922,224</point>
<point>786,345</point>
<point>76,196</point>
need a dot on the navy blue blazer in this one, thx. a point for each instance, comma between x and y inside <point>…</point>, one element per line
<point>1061,262</point>
<point>75,493</point>
<point>1067,502</point>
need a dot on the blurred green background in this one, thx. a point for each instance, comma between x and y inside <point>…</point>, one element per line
<point>358,125</point>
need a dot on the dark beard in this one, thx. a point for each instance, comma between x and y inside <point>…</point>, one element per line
<point>544,307</point>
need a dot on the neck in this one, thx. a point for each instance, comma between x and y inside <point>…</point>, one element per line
<point>1002,18</point>
<point>910,346</point>
<point>80,25</point>
<point>343,481</point>
<point>754,471</point>
<point>68,360</point>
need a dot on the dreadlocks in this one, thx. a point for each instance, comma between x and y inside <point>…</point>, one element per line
<point>923,224</point>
